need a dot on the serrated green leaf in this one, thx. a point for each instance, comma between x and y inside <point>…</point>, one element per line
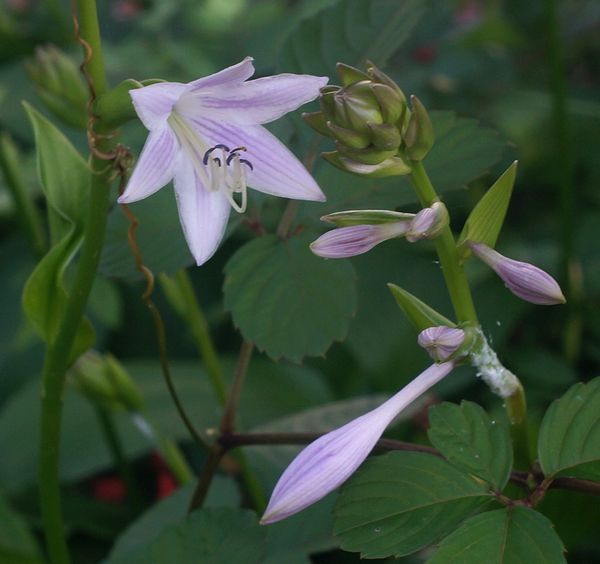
<point>286,300</point>
<point>64,177</point>
<point>569,440</point>
<point>207,535</point>
<point>401,502</point>
<point>17,544</point>
<point>504,536</point>
<point>473,442</point>
<point>418,313</point>
<point>364,30</point>
<point>485,220</point>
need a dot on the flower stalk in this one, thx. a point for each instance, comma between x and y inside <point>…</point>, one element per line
<point>58,352</point>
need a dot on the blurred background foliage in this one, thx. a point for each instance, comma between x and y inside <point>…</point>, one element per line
<point>492,62</point>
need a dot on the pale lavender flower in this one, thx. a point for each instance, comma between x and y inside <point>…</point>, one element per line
<point>330,460</point>
<point>441,342</point>
<point>526,281</point>
<point>356,239</point>
<point>207,136</point>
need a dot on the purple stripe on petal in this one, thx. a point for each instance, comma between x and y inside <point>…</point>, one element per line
<point>275,169</point>
<point>229,76</point>
<point>252,102</point>
<point>153,104</point>
<point>347,241</point>
<point>155,166</point>
<point>329,461</point>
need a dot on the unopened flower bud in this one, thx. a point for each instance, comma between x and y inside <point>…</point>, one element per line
<point>349,75</point>
<point>392,166</point>
<point>89,375</point>
<point>419,135</point>
<point>366,217</point>
<point>128,393</point>
<point>525,280</point>
<point>348,137</point>
<point>59,84</point>
<point>355,240</point>
<point>441,342</point>
<point>385,136</point>
<point>428,223</point>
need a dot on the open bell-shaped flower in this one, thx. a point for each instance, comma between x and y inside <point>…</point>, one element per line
<point>329,461</point>
<point>525,280</point>
<point>207,136</point>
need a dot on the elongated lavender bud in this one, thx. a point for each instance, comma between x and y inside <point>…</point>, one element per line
<point>526,281</point>
<point>356,239</point>
<point>441,342</point>
<point>428,223</point>
<point>329,461</point>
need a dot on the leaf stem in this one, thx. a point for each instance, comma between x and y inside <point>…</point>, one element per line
<point>228,419</point>
<point>58,352</point>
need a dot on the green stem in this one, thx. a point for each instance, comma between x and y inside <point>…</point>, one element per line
<point>58,352</point>
<point>228,419</point>
<point>456,281</point>
<point>118,454</point>
<point>516,409</point>
<point>188,307</point>
<point>27,214</point>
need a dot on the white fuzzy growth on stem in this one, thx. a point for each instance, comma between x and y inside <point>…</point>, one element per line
<point>501,380</point>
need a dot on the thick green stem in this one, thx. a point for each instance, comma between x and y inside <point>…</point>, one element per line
<point>462,301</point>
<point>58,352</point>
<point>456,281</point>
<point>180,292</point>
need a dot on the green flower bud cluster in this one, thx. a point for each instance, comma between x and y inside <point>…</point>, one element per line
<point>59,85</point>
<point>375,132</point>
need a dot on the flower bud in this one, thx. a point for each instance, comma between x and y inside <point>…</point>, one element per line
<point>428,223</point>
<point>349,75</point>
<point>89,374</point>
<point>366,217</point>
<point>356,239</point>
<point>419,135</point>
<point>347,137</point>
<point>128,393</point>
<point>526,281</point>
<point>393,166</point>
<point>441,343</point>
<point>59,84</point>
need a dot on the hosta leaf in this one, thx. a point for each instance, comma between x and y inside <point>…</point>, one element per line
<point>64,177</point>
<point>472,441</point>
<point>207,535</point>
<point>286,300</point>
<point>485,220</point>
<point>569,440</point>
<point>403,501</point>
<point>504,536</point>
<point>363,30</point>
<point>17,544</point>
<point>418,313</point>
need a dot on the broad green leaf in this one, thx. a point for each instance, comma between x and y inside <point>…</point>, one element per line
<point>223,492</point>
<point>418,313</point>
<point>472,441</point>
<point>485,220</point>
<point>401,502</point>
<point>569,440</point>
<point>286,300</point>
<point>64,177</point>
<point>17,544</point>
<point>504,536</point>
<point>364,30</point>
<point>207,535</point>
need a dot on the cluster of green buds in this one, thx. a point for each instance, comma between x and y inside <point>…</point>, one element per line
<point>375,132</point>
<point>59,85</point>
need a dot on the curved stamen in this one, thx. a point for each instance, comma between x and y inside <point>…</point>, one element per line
<point>217,146</point>
<point>247,163</point>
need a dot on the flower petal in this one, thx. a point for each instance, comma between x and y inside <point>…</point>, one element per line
<point>275,170</point>
<point>153,104</point>
<point>155,166</point>
<point>252,102</point>
<point>330,460</point>
<point>231,75</point>
<point>203,214</point>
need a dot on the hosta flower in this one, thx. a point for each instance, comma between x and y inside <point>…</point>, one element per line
<point>329,461</point>
<point>525,280</point>
<point>441,342</point>
<point>207,136</point>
